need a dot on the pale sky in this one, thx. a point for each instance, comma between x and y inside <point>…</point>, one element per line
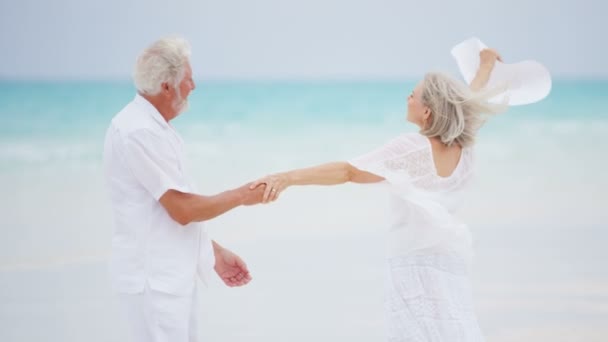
<point>299,40</point>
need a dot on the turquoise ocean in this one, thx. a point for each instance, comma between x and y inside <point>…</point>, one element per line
<point>538,211</point>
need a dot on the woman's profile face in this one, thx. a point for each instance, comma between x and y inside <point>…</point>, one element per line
<point>415,108</point>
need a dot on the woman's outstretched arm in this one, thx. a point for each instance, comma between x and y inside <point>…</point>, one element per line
<point>326,174</point>
<point>487,59</point>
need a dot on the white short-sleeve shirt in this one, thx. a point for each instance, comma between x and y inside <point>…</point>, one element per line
<point>143,158</point>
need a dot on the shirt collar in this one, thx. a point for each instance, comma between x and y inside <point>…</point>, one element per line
<point>151,110</point>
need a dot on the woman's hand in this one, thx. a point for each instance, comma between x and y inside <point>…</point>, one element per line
<point>275,184</point>
<point>488,57</point>
<point>487,60</point>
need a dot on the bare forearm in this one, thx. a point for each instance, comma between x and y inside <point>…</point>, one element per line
<point>482,77</point>
<point>187,207</point>
<point>202,208</point>
<point>326,174</point>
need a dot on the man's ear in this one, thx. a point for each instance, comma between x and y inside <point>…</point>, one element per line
<point>164,88</point>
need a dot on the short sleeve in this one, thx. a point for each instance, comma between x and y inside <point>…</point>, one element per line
<point>395,160</point>
<point>154,163</point>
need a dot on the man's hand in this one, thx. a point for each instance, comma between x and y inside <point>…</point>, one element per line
<point>251,195</point>
<point>230,268</point>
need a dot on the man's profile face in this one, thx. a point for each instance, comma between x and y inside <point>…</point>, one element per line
<point>185,86</point>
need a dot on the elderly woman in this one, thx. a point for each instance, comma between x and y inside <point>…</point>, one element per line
<point>429,296</point>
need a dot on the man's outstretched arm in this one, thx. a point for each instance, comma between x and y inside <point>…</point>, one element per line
<point>188,207</point>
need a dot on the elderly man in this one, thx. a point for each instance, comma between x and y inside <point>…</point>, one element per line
<point>159,242</point>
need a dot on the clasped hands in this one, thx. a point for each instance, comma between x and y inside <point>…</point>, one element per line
<point>266,189</point>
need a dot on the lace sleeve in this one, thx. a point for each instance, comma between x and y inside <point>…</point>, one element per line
<point>399,161</point>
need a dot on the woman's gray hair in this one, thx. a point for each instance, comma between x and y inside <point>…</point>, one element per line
<point>457,112</point>
<point>163,61</point>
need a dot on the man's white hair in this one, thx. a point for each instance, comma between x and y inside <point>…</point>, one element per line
<point>163,61</point>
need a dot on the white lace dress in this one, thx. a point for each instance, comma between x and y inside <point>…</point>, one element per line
<point>429,290</point>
